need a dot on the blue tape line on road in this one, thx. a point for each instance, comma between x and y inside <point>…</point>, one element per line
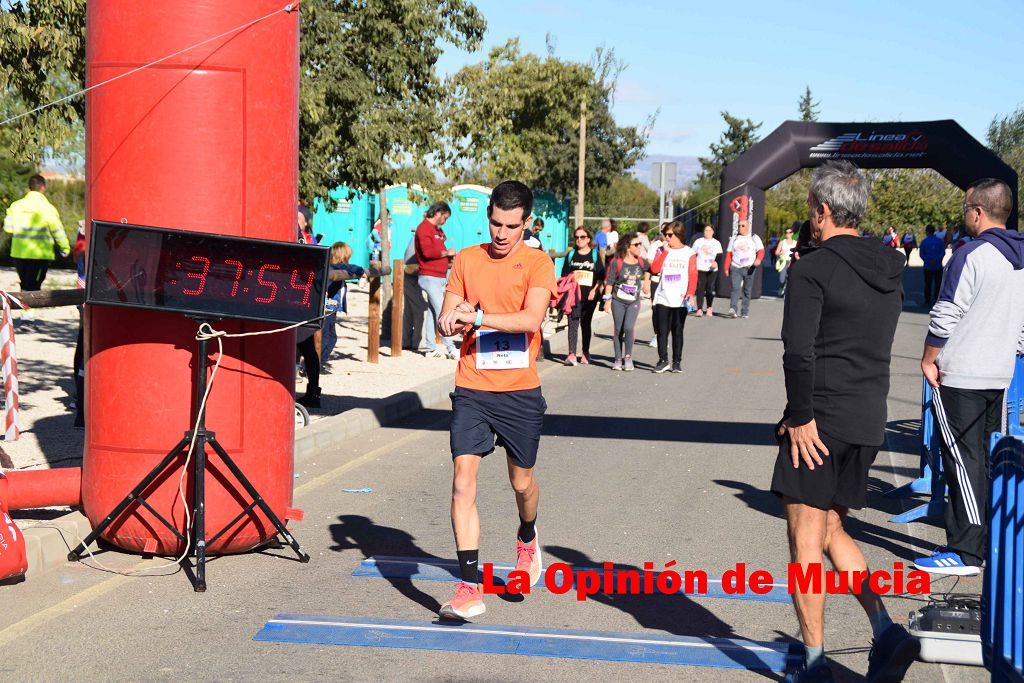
<point>646,648</point>
<point>436,569</point>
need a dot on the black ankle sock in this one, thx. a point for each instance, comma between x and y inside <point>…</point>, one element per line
<point>527,530</point>
<point>468,561</point>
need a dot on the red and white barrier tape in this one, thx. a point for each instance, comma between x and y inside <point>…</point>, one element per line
<point>9,370</point>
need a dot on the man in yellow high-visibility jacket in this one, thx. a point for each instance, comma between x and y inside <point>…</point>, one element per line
<point>36,234</point>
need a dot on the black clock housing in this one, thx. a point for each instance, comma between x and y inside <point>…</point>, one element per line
<point>203,275</point>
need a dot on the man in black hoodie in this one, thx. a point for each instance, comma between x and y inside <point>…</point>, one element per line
<point>842,305</point>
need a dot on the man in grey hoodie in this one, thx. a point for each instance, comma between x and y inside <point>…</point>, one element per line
<point>976,329</point>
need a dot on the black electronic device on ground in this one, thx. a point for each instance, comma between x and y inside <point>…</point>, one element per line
<point>949,631</point>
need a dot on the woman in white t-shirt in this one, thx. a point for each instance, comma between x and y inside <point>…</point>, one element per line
<point>677,265</point>
<point>784,257</point>
<point>708,250</point>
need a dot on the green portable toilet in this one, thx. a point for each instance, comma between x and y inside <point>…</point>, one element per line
<point>555,215</point>
<point>406,211</point>
<point>468,223</point>
<point>346,217</point>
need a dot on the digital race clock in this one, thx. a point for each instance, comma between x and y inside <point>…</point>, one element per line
<point>205,275</point>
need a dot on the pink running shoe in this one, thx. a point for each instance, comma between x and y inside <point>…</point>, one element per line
<point>584,360</point>
<point>570,359</point>
<point>528,559</point>
<point>468,602</point>
<point>699,313</point>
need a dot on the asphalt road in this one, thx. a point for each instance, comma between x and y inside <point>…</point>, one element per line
<point>633,468</point>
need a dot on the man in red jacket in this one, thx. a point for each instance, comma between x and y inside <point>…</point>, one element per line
<point>433,258</point>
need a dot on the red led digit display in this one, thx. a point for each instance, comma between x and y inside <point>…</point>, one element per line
<point>201,277</point>
<point>205,275</point>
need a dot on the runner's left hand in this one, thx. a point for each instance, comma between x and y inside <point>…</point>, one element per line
<point>805,444</point>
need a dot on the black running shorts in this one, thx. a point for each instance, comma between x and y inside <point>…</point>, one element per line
<point>513,418</point>
<point>842,479</point>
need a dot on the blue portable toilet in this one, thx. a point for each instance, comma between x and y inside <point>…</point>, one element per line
<point>468,223</point>
<point>406,211</point>
<point>555,215</point>
<point>346,217</point>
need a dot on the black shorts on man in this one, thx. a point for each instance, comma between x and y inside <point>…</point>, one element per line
<point>511,419</point>
<point>841,479</point>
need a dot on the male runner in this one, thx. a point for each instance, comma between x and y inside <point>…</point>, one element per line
<point>497,295</point>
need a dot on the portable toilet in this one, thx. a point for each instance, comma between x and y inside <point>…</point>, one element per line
<point>468,223</point>
<point>346,216</point>
<point>406,211</point>
<point>555,214</point>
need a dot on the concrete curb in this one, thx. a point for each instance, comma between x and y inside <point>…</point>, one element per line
<point>48,544</point>
<point>340,429</point>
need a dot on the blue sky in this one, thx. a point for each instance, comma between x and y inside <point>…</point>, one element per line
<point>867,60</point>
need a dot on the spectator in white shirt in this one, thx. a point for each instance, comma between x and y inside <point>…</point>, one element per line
<point>742,258</point>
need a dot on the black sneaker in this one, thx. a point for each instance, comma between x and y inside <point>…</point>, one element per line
<point>662,366</point>
<point>891,655</point>
<point>816,674</point>
<point>677,367</point>
<point>310,400</point>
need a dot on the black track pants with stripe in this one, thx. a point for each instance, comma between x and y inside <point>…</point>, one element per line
<point>966,419</point>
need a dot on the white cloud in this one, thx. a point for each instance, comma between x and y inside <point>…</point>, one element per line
<point>631,92</point>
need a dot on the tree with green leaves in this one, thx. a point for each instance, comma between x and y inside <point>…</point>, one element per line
<point>516,115</point>
<point>370,96</point>
<point>739,136</point>
<point>786,202</point>
<point>905,198</point>
<point>1006,138</point>
<point>42,59</point>
<point>911,198</point>
<point>807,106</point>
<point>624,196</point>
<point>369,91</point>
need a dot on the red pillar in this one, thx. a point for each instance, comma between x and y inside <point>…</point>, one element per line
<point>205,141</point>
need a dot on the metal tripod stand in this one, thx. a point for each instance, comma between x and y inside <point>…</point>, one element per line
<point>203,438</point>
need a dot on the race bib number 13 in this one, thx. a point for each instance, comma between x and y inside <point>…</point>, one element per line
<point>501,351</point>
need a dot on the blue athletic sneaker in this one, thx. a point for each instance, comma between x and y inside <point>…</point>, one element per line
<point>892,653</point>
<point>816,674</point>
<point>945,561</point>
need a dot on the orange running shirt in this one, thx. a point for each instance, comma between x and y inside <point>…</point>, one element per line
<point>499,286</point>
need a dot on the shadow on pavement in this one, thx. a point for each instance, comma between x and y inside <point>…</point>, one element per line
<point>675,614</point>
<point>603,427</point>
<point>356,532</point>
<point>893,542</point>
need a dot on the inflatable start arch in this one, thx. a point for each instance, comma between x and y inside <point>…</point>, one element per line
<point>940,145</point>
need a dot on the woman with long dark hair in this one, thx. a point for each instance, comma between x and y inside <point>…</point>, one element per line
<point>587,266</point>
